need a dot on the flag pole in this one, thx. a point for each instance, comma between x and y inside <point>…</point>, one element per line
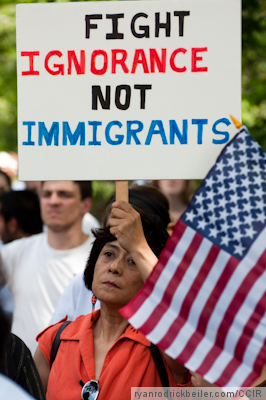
<point>121,191</point>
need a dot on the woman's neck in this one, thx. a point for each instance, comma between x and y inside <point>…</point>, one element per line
<point>106,331</point>
<point>110,325</point>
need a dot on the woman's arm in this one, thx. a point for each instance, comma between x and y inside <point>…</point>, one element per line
<point>42,367</point>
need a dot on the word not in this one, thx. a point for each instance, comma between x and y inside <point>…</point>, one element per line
<point>118,58</point>
<point>105,102</point>
<point>143,30</point>
<point>131,134</point>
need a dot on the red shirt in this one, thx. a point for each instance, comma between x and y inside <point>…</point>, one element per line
<point>127,364</point>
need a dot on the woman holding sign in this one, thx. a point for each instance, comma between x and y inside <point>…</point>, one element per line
<point>102,350</point>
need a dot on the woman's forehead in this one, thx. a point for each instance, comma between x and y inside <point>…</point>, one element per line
<point>115,246</point>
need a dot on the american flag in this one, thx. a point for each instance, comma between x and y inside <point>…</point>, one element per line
<point>205,302</point>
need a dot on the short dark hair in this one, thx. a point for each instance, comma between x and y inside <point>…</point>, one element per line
<point>25,207</point>
<point>154,231</point>
<point>85,189</point>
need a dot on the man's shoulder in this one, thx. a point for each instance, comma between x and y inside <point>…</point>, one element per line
<point>25,242</point>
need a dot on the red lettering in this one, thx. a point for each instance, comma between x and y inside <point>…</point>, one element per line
<point>79,66</point>
<point>140,58</point>
<point>120,61</point>
<point>59,68</point>
<point>30,54</point>
<point>94,70</point>
<point>195,59</point>
<point>172,60</point>
<point>155,59</point>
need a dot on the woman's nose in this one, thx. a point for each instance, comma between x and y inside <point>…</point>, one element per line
<point>115,266</point>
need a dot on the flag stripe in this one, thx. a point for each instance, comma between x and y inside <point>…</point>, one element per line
<point>181,292</point>
<point>203,306</point>
<point>174,338</point>
<point>202,357</point>
<point>228,360</point>
<point>224,303</point>
<point>250,349</point>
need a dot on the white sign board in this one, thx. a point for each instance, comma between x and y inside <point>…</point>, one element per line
<point>126,90</point>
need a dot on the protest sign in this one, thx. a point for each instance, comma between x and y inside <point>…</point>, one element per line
<point>126,90</point>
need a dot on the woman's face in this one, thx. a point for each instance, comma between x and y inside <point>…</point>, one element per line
<point>116,278</point>
<point>172,187</point>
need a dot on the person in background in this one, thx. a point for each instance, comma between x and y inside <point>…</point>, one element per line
<point>38,268</point>
<point>8,388</point>
<point>5,182</point>
<point>76,299</point>
<point>20,216</point>
<point>178,193</point>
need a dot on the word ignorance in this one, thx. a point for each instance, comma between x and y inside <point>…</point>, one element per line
<point>114,133</point>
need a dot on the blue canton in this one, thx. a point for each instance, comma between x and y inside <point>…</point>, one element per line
<point>230,206</point>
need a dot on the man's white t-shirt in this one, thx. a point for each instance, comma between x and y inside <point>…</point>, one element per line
<point>37,275</point>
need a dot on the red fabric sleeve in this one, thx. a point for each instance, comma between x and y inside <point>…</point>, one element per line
<point>46,338</point>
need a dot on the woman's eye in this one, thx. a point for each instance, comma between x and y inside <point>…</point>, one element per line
<point>131,261</point>
<point>108,254</point>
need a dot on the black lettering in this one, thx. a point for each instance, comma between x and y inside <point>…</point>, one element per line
<point>160,25</point>
<point>115,34</point>
<point>142,89</point>
<point>118,103</point>
<point>90,26</point>
<point>97,94</point>
<point>181,15</point>
<point>144,28</point>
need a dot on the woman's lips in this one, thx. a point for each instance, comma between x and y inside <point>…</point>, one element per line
<point>110,284</point>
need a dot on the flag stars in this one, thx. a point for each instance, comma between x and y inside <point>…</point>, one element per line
<point>239,249</point>
<point>190,216</point>
<point>202,224</point>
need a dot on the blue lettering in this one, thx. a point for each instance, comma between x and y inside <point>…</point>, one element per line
<point>94,141</point>
<point>48,135</point>
<point>119,138</point>
<point>216,132</point>
<point>200,123</point>
<point>174,130</point>
<point>133,132</point>
<point>29,142</point>
<point>73,137</point>
<point>159,131</point>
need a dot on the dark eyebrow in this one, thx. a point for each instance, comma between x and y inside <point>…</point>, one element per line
<point>111,245</point>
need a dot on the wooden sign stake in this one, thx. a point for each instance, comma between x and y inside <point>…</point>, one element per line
<point>121,191</point>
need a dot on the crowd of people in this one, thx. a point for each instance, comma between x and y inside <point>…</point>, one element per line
<point>63,280</point>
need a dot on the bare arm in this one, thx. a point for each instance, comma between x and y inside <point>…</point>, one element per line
<point>42,367</point>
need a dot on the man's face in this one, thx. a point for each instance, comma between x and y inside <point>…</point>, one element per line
<point>61,205</point>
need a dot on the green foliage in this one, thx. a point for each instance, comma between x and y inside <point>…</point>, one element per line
<point>254,68</point>
<point>102,191</point>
